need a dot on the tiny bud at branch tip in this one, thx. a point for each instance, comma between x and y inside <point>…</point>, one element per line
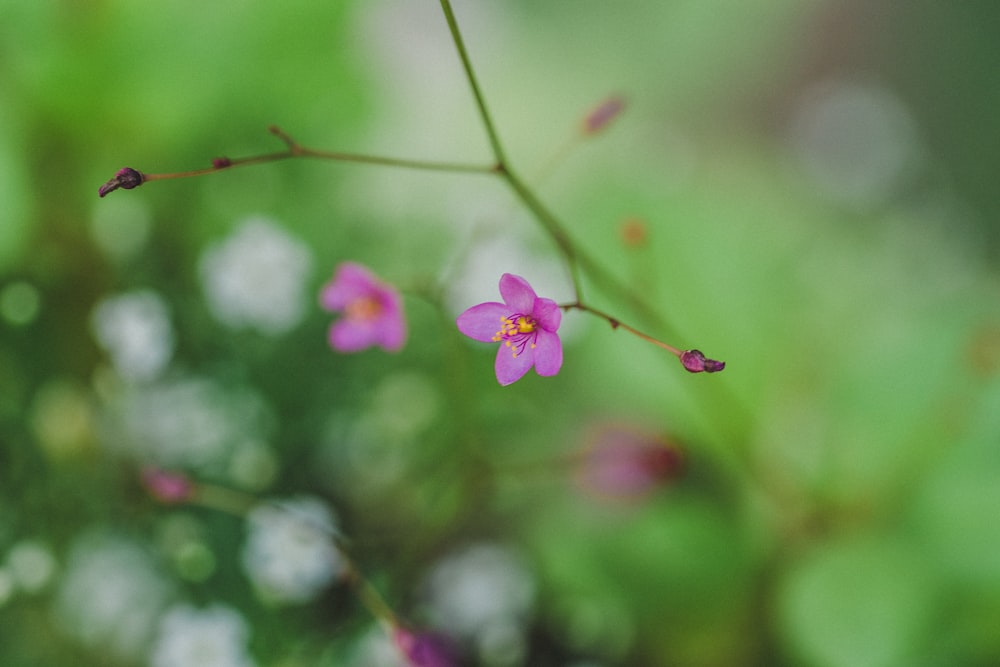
<point>696,362</point>
<point>126,179</point>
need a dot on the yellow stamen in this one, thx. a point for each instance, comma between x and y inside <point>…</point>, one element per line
<point>363,308</point>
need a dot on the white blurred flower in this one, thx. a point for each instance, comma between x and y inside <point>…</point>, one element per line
<point>290,555</point>
<point>211,637</point>
<point>134,328</point>
<point>858,142</point>
<point>111,595</point>
<point>194,423</point>
<point>32,565</point>
<point>483,595</point>
<point>256,277</point>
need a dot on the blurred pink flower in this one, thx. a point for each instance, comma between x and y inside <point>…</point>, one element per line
<point>425,649</point>
<point>373,310</point>
<point>625,464</point>
<point>525,323</point>
<point>167,487</point>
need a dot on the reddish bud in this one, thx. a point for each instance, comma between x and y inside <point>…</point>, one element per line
<point>425,649</point>
<point>633,232</point>
<point>601,116</point>
<point>167,487</point>
<point>624,464</point>
<point>126,179</point>
<point>695,362</point>
<point>221,162</point>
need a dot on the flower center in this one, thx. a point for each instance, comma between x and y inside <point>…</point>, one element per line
<point>517,331</point>
<point>363,309</point>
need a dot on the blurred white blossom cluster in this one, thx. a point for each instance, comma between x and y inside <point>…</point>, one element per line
<point>215,636</point>
<point>111,594</point>
<point>134,328</point>
<point>290,555</point>
<point>256,277</point>
<point>483,596</point>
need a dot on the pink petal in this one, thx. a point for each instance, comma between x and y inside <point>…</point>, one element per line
<point>351,281</point>
<point>482,322</point>
<point>349,336</point>
<point>391,330</point>
<point>517,293</point>
<point>510,369</point>
<point>548,353</point>
<point>547,313</point>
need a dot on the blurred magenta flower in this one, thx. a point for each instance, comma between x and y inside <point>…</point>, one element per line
<point>625,464</point>
<point>525,323</point>
<point>373,310</point>
<point>425,649</point>
<point>168,487</point>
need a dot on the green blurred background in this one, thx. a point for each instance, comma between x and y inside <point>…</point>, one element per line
<point>804,189</point>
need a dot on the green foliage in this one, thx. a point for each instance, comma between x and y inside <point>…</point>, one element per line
<point>838,505</point>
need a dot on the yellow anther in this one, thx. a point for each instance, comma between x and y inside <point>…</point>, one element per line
<point>363,308</point>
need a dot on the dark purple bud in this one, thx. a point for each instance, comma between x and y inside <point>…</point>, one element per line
<point>713,366</point>
<point>425,649</point>
<point>126,179</point>
<point>221,162</point>
<point>695,362</point>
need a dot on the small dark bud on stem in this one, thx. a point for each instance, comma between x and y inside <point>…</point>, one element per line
<point>695,362</point>
<point>126,179</point>
<point>221,162</point>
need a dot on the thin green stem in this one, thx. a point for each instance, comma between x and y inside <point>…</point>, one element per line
<point>549,222</point>
<point>618,324</point>
<point>470,74</point>
<point>130,178</point>
<point>297,150</point>
<point>575,258</point>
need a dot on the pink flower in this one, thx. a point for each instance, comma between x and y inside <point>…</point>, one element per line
<point>525,323</point>
<point>373,310</point>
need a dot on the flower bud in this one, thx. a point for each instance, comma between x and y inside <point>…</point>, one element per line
<point>695,362</point>
<point>126,179</point>
<point>167,487</point>
<point>425,649</point>
<point>625,464</point>
<point>602,115</point>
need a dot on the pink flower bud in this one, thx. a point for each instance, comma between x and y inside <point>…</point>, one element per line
<point>167,487</point>
<point>601,116</point>
<point>425,649</point>
<point>126,179</point>
<point>696,362</point>
<point>625,464</point>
